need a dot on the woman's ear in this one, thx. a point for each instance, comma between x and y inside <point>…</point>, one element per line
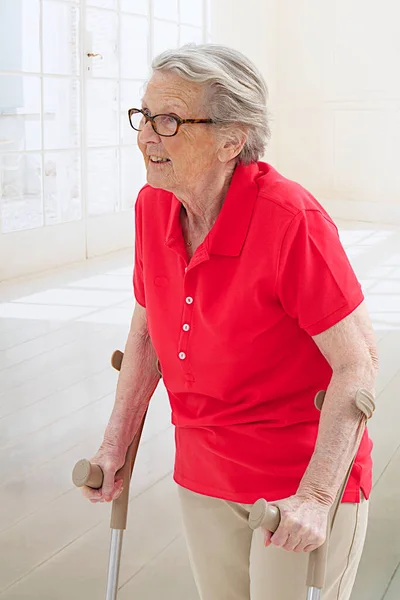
<point>232,144</point>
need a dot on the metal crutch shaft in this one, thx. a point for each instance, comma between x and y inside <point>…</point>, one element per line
<point>114,562</point>
<point>313,593</point>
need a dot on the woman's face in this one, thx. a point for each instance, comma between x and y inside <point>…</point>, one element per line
<point>192,154</point>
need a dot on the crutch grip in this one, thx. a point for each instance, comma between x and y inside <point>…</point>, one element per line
<point>264,515</point>
<point>116,359</point>
<point>268,516</point>
<point>87,473</point>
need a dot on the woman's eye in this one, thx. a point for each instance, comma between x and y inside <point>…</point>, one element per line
<point>168,119</point>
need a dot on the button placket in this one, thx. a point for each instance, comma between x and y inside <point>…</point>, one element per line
<point>189,302</point>
<point>184,334</point>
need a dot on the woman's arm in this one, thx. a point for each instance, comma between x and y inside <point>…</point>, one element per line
<point>137,381</point>
<point>349,347</point>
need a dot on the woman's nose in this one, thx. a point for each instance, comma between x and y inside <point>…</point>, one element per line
<point>148,134</point>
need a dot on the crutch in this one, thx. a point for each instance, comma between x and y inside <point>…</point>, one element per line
<point>85,473</point>
<point>268,516</point>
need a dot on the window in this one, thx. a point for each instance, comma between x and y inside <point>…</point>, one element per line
<point>66,148</point>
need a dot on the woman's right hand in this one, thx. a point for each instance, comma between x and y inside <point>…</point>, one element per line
<point>110,458</point>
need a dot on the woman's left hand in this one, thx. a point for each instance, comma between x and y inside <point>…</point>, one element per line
<point>303,525</point>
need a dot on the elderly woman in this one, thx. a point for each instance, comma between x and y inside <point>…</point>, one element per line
<point>248,305</point>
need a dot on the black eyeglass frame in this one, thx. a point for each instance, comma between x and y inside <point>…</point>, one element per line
<point>179,121</point>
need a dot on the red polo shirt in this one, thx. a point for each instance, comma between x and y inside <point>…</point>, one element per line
<point>232,330</point>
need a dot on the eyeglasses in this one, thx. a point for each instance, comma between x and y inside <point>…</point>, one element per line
<point>164,125</point>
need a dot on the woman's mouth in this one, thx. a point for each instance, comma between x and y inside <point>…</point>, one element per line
<point>159,160</point>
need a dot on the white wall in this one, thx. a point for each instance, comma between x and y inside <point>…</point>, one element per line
<point>339,103</point>
<point>333,73</point>
<point>250,27</point>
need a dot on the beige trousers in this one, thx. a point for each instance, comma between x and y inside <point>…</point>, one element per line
<point>230,562</point>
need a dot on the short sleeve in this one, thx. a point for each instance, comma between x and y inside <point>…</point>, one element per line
<point>316,284</point>
<point>138,279</point>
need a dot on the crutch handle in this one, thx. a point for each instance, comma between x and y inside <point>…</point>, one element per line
<point>116,359</point>
<point>87,473</point>
<point>264,515</point>
<point>268,516</point>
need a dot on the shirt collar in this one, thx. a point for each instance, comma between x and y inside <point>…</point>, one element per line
<point>174,229</point>
<point>229,233</point>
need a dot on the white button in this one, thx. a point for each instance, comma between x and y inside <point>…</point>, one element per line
<point>185,269</point>
<point>189,300</point>
<point>182,355</point>
<point>186,327</point>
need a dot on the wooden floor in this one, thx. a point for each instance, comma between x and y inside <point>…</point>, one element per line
<point>57,332</point>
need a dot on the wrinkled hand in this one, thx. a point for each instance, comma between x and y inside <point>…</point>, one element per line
<point>110,458</point>
<point>303,525</point>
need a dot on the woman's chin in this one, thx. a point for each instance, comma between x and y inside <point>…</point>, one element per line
<point>154,180</point>
<point>157,179</point>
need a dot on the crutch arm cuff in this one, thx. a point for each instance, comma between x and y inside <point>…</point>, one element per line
<point>364,401</point>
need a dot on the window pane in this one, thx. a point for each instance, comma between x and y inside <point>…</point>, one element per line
<point>19,35</point>
<point>138,7</point>
<point>20,127</point>
<point>102,113</point>
<point>165,36</point>
<point>61,113</point>
<point>134,47</point>
<point>192,12</point>
<point>103,26</point>
<point>191,35</point>
<point>133,174</point>
<point>208,19</point>
<point>166,9</point>
<point>103,3</point>
<point>60,38</point>
<point>131,97</point>
<point>62,187</point>
<point>103,187</point>
<point>21,191</point>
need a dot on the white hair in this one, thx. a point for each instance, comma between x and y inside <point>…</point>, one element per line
<point>236,92</point>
